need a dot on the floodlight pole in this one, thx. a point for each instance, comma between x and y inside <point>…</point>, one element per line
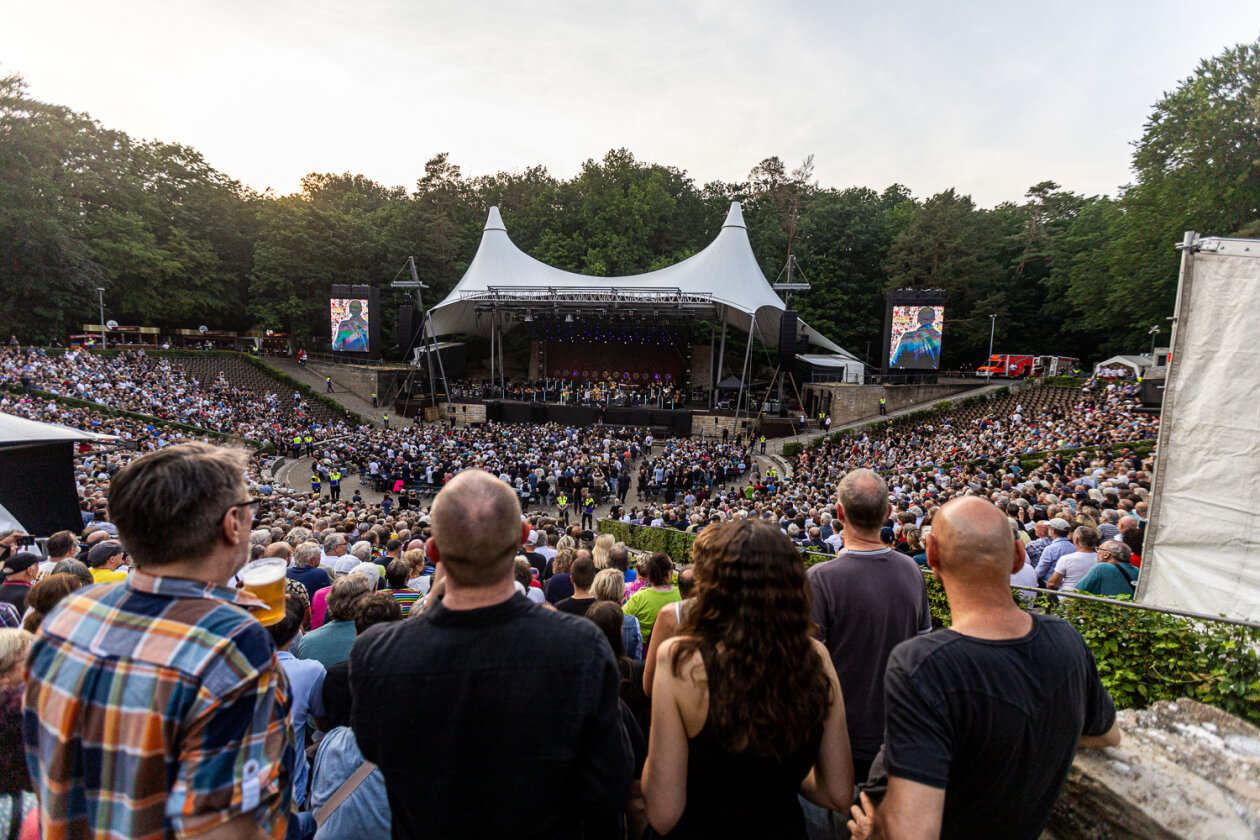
<point>1154,332</point>
<point>988,376</point>
<point>100,295</point>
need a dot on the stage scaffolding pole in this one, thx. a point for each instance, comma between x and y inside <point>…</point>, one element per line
<point>502,374</point>
<point>712,347</point>
<point>739,402</point>
<point>436,352</point>
<point>722,352</point>
<point>492,331</point>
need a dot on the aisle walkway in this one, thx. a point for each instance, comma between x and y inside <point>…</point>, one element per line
<point>348,399</point>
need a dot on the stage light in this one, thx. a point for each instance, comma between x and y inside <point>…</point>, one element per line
<point>568,319</point>
<point>529,317</point>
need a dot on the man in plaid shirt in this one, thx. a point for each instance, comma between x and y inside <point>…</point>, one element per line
<point>156,706</point>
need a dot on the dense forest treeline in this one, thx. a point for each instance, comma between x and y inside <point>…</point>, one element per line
<point>177,243</point>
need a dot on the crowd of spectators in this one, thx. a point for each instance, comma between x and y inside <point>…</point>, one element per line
<point>1074,520</point>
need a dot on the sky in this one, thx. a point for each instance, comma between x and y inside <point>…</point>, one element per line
<point>987,98</point>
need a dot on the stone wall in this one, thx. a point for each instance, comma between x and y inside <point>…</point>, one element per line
<point>847,403</point>
<point>1182,770</point>
<point>467,414</point>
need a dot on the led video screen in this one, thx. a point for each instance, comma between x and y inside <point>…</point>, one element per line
<point>916,337</point>
<point>349,318</point>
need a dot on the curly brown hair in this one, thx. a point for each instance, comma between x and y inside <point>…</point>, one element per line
<point>751,621</point>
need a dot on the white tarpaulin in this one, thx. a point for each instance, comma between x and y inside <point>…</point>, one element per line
<point>1203,540</point>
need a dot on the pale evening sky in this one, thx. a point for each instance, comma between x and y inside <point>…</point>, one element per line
<point>988,98</point>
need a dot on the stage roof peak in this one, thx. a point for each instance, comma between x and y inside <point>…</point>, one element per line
<point>723,278</point>
<point>494,221</point>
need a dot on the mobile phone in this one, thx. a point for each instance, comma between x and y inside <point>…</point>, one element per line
<point>27,540</point>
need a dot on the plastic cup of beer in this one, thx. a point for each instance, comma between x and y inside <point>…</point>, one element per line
<point>264,579</point>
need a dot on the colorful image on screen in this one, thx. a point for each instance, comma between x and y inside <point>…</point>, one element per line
<point>349,318</point>
<point>916,337</point>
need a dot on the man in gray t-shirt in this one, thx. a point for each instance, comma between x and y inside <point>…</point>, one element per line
<point>866,601</point>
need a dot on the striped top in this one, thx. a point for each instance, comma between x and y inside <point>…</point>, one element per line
<point>156,706</point>
<point>405,598</point>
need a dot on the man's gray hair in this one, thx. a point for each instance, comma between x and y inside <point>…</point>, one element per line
<point>261,536</point>
<point>306,555</point>
<point>362,550</point>
<point>297,536</point>
<point>331,541</point>
<point>1118,551</point>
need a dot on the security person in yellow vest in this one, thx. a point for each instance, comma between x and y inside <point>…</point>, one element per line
<point>386,420</point>
<point>763,444</point>
<point>315,483</point>
<point>297,445</point>
<point>562,508</point>
<point>883,406</point>
<point>310,445</point>
<point>334,484</point>
<point>328,384</point>
<point>588,512</point>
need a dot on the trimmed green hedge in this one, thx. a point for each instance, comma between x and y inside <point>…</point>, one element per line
<point>793,448</point>
<point>302,388</point>
<point>1063,381</point>
<point>1142,656</point>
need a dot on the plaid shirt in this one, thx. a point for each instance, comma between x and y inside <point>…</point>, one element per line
<point>156,708</point>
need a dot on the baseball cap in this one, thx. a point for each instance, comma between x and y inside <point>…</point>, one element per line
<point>101,552</point>
<point>345,565</point>
<point>886,533</point>
<point>1058,524</point>
<point>19,562</point>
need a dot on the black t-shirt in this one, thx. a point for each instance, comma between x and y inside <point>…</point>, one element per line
<point>478,678</point>
<point>995,723</point>
<point>575,606</point>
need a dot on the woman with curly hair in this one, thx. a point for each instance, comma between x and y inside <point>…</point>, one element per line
<point>746,707</point>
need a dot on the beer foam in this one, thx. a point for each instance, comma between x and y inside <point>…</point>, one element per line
<point>262,576</point>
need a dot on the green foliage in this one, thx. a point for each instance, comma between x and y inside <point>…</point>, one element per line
<point>793,448</point>
<point>1063,382</point>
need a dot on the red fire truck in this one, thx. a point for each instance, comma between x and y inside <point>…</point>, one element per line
<point>1018,366</point>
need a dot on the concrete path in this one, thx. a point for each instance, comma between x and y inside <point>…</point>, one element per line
<point>348,399</point>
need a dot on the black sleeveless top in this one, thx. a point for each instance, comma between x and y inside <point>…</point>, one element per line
<point>734,796</point>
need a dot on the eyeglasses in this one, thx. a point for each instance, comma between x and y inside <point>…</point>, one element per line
<point>252,503</point>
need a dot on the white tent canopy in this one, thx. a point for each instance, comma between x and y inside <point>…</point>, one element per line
<point>725,275</point>
<point>1137,364</point>
<point>18,431</point>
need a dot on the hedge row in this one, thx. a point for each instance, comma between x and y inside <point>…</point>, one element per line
<point>1142,656</point>
<point>302,388</point>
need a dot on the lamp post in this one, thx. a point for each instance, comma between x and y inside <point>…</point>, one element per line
<point>1154,331</point>
<point>988,375</point>
<point>100,296</point>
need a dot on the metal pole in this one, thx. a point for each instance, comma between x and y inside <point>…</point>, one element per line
<point>502,374</point>
<point>100,292</point>
<point>992,325</point>
<point>441,367</point>
<point>712,348</point>
<point>747,357</point>
<point>492,331</point>
<point>722,352</point>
